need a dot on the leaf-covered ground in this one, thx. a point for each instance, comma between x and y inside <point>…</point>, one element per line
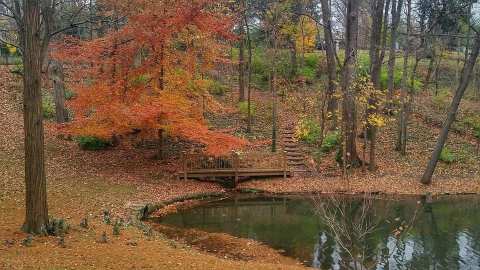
<point>82,184</point>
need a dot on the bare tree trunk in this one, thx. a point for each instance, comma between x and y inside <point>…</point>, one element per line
<point>241,65</point>
<point>160,152</point>
<point>464,81</point>
<point>293,58</point>
<point>385,30</point>
<point>59,90</point>
<point>401,117</point>
<point>274,90</point>
<point>249,68</point>
<point>332,105</point>
<point>349,106</point>
<point>396,11</point>
<point>431,67</point>
<point>36,214</point>
<point>375,68</point>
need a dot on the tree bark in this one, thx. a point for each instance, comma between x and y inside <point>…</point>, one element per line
<point>241,65</point>
<point>399,145</point>
<point>36,214</point>
<point>160,152</point>
<point>332,105</point>
<point>375,68</point>
<point>396,11</point>
<point>349,106</point>
<point>59,90</point>
<point>274,90</point>
<point>465,79</point>
<point>249,68</point>
<point>385,30</point>
<point>293,58</point>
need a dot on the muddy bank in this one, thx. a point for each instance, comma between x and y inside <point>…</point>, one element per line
<point>225,246</point>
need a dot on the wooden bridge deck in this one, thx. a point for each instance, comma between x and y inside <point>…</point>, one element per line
<point>229,169</point>
<point>248,172</point>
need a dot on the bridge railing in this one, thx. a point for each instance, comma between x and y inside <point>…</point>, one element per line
<point>234,161</point>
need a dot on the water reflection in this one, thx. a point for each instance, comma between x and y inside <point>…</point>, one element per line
<point>352,233</point>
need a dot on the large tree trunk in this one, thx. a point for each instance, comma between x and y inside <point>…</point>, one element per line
<point>376,66</point>
<point>331,60</point>
<point>396,11</point>
<point>36,214</point>
<point>464,81</point>
<point>59,91</point>
<point>349,106</point>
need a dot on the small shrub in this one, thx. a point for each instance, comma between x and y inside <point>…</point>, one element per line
<point>243,108</point>
<point>308,131</point>
<point>331,141</point>
<point>473,122</point>
<point>57,227</point>
<point>69,94</point>
<point>312,60</point>
<point>48,106</point>
<point>447,156</point>
<point>141,79</point>
<point>476,133</point>
<point>217,88</point>
<point>92,143</point>
<point>308,72</point>
<point>17,69</point>
<point>442,99</point>
<point>116,228</point>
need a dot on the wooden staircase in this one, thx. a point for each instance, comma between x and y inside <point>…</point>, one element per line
<point>295,157</point>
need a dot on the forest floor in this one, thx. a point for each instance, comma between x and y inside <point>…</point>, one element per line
<point>84,183</point>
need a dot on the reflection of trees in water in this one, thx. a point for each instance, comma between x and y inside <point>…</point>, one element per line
<point>360,236</point>
<point>446,234</point>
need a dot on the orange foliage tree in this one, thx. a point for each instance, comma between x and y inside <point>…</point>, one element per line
<point>145,75</point>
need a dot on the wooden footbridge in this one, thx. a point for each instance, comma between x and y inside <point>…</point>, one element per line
<point>235,167</point>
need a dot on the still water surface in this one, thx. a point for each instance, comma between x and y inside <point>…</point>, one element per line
<point>352,232</point>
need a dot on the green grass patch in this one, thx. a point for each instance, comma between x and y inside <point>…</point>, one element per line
<point>447,156</point>
<point>243,108</point>
<point>331,141</point>
<point>217,88</point>
<point>48,105</point>
<point>442,99</point>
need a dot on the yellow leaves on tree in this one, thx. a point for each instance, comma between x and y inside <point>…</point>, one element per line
<point>371,99</point>
<point>147,74</point>
<point>306,34</point>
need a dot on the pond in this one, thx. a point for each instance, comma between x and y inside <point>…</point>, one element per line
<point>351,232</point>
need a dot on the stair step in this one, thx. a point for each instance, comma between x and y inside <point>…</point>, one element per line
<point>294,158</point>
<point>287,145</point>
<point>294,154</point>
